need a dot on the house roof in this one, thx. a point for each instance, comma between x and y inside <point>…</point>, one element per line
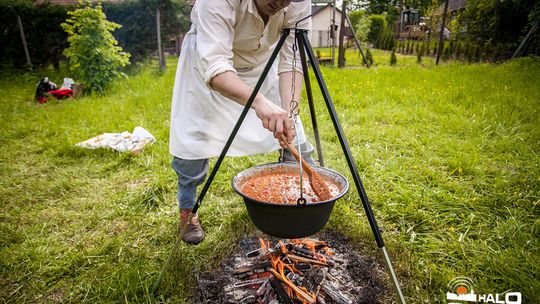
<point>315,9</point>
<point>453,5</point>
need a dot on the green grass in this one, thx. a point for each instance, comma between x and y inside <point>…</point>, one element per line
<point>448,156</point>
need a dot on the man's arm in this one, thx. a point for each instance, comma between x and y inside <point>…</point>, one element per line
<point>273,117</point>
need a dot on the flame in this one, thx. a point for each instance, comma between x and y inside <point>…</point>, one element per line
<point>278,270</point>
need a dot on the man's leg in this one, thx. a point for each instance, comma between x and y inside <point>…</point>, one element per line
<point>191,173</point>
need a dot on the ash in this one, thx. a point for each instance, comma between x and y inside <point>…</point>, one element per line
<point>326,269</point>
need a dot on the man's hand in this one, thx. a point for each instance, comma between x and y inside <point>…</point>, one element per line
<point>274,118</point>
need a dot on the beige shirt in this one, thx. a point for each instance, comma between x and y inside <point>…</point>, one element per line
<point>228,35</point>
<point>232,35</point>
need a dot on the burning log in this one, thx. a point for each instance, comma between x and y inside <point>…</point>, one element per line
<point>300,271</point>
<point>280,291</point>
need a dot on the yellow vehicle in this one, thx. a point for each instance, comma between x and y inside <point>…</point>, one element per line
<point>413,32</point>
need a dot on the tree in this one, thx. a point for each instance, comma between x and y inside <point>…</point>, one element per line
<point>93,52</point>
<point>361,24</point>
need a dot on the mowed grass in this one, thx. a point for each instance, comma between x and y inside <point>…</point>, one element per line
<point>448,156</point>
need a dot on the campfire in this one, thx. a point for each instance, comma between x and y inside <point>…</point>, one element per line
<point>292,271</point>
<point>328,270</point>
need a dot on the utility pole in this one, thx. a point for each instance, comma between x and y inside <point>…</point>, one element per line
<point>341,55</point>
<point>441,37</point>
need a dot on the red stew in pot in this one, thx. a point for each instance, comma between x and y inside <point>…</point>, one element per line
<point>282,188</point>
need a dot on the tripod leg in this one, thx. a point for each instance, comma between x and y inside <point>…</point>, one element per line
<point>302,36</point>
<point>310,103</point>
<point>224,151</point>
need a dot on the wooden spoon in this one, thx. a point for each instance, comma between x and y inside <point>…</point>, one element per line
<point>317,183</point>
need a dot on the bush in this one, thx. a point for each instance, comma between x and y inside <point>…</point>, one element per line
<point>137,35</point>
<point>419,55</point>
<point>93,52</point>
<point>458,51</point>
<point>393,58</point>
<point>377,28</point>
<point>446,52</point>
<point>44,36</point>
<point>369,57</point>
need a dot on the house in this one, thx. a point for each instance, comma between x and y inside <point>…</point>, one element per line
<point>321,34</point>
<point>454,8</point>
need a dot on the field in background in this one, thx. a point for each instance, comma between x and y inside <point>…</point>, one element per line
<point>448,156</point>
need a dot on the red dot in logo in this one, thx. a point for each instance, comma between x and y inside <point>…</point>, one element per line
<point>461,290</point>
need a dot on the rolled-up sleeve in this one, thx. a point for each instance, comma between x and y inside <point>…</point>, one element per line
<point>215,34</point>
<point>295,12</point>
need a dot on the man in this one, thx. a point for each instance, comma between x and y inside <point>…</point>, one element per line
<point>222,57</point>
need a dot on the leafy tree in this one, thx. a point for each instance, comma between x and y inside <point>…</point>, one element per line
<point>93,52</point>
<point>361,24</point>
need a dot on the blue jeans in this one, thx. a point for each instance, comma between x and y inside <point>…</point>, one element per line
<point>192,172</point>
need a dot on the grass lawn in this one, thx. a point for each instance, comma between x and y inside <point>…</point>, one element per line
<point>449,157</point>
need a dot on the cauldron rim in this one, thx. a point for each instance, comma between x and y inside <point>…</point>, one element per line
<point>341,193</point>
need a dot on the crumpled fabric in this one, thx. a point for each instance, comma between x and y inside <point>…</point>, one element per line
<point>122,142</point>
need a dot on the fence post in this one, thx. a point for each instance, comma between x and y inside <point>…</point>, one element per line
<point>441,37</point>
<point>341,55</point>
<point>162,65</point>
<point>23,38</point>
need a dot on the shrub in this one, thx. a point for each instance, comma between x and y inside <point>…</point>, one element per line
<point>137,35</point>
<point>93,52</point>
<point>458,51</point>
<point>377,28</point>
<point>369,57</point>
<point>419,54</point>
<point>446,52</point>
<point>478,53</point>
<point>44,36</point>
<point>393,58</point>
<point>470,54</point>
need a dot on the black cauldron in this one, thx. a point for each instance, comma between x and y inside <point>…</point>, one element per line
<point>288,220</point>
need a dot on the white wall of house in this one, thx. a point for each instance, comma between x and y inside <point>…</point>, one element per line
<point>320,27</point>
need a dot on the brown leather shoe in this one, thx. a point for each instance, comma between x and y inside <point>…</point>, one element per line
<point>194,233</point>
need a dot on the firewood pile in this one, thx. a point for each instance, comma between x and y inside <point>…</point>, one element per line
<point>303,271</point>
<point>327,270</point>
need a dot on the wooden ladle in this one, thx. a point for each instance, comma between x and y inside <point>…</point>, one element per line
<point>317,183</point>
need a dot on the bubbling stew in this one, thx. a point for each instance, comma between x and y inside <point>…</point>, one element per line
<point>282,188</point>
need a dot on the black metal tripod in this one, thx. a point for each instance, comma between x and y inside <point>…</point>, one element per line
<point>304,48</point>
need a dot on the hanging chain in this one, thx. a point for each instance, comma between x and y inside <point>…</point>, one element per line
<point>293,114</point>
